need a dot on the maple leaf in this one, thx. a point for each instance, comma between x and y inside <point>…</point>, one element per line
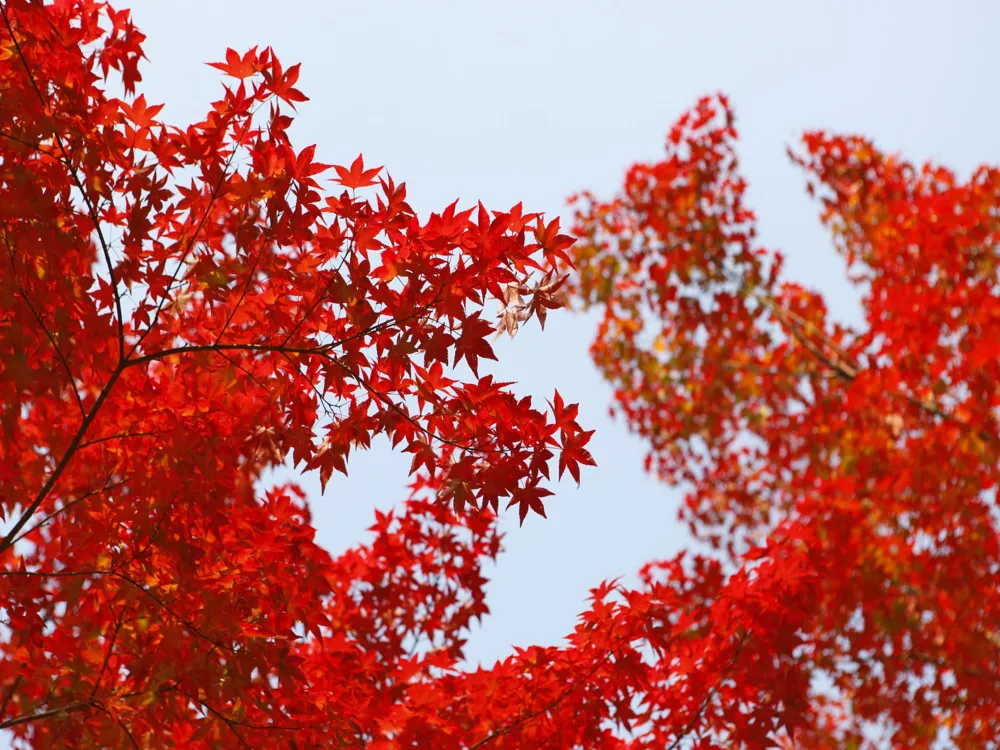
<point>357,176</point>
<point>565,415</point>
<point>554,245</point>
<point>529,499</point>
<point>513,312</point>
<point>573,453</point>
<point>239,67</point>
<point>472,343</point>
<point>139,113</point>
<point>281,82</point>
<point>546,296</point>
<point>327,459</point>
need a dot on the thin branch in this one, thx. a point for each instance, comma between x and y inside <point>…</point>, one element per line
<point>319,297</point>
<point>321,351</point>
<point>278,348</point>
<point>156,532</point>
<point>128,734</point>
<point>711,693</point>
<point>729,364</point>
<point>74,445</point>
<point>166,607</point>
<point>116,436</point>
<point>107,655</point>
<point>418,313</point>
<point>37,147</point>
<point>94,217</point>
<point>328,408</point>
<point>41,324</point>
<point>8,540</point>
<point>28,718</point>
<point>10,693</point>
<point>245,371</point>
<point>201,223</point>
<point>246,287</point>
<point>121,576</point>
<point>547,707</point>
<point>222,718</point>
<point>66,507</point>
<point>260,348</point>
<point>79,705</point>
<point>401,412</point>
<point>841,364</point>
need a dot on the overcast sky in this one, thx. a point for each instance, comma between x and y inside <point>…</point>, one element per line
<point>530,101</point>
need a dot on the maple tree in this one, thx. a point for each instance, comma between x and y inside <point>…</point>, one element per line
<point>182,308</point>
<point>868,455</point>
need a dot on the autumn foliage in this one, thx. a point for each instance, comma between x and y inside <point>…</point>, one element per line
<point>869,456</point>
<point>183,308</point>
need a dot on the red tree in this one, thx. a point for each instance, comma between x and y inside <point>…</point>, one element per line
<point>872,452</point>
<point>183,308</point>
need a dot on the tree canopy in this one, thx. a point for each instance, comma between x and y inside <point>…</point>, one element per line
<point>184,307</point>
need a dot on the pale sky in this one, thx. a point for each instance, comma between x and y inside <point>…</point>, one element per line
<point>530,101</point>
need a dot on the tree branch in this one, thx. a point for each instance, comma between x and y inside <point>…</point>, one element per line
<point>41,324</point>
<point>711,693</point>
<point>107,655</point>
<point>547,707</point>
<point>94,217</point>
<point>201,223</point>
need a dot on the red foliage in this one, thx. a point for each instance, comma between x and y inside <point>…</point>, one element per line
<point>182,308</point>
<point>878,448</point>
